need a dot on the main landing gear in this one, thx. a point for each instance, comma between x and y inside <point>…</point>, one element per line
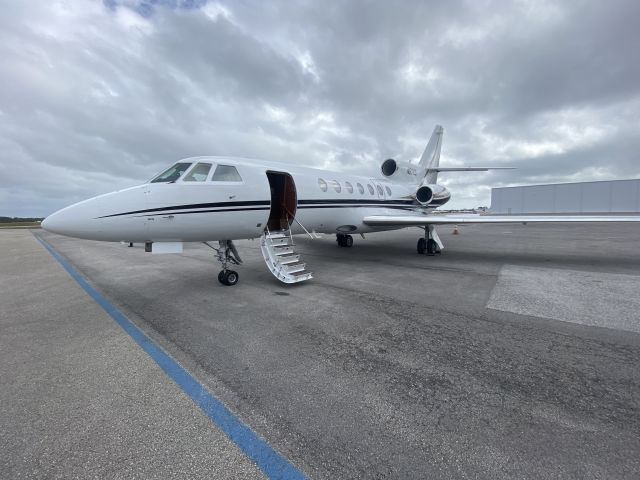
<point>227,254</point>
<point>344,240</point>
<point>428,243</point>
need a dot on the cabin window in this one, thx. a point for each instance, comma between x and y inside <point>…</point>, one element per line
<point>380,191</point>
<point>388,190</point>
<point>198,173</point>
<point>172,173</point>
<point>349,187</point>
<point>323,185</point>
<point>371,190</point>
<point>360,188</point>
<point>336,186</point>
<point>226,173</point>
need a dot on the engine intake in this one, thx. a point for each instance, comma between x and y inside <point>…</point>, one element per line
<point>424,195</point>
<point>389,167</point>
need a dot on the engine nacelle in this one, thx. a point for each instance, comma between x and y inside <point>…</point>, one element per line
<point>398,170</point>
<point>436,194</point>
<point>424,195</point>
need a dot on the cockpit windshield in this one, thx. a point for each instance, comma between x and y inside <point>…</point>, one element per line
<point>172,173</point>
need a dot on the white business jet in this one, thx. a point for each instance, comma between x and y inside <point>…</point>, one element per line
<point>204,199</point>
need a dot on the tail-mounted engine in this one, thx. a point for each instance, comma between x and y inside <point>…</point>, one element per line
<point>424,195</point>
<point>437,194</point>
<point>406,172</point>
<point>399,171</point>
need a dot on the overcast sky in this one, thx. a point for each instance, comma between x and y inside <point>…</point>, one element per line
<point>96,96</point>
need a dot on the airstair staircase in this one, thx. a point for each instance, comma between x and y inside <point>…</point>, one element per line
<point>284,263</point>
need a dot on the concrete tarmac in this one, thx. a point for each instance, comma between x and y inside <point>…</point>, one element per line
<point>78,398</point>
<point>393,365</point>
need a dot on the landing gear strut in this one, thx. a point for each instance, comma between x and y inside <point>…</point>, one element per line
<point>227,254</point>
<point>344,240</point>
<point>428,243</point>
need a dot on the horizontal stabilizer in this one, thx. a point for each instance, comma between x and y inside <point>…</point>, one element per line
<point>469,169</point>
<point>430,219</point>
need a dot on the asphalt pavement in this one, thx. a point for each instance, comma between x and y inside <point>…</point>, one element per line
<point>514,354</point>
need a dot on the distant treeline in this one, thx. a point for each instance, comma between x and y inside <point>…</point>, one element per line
<point>18,220</point>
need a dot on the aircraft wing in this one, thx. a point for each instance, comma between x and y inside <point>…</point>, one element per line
<point>468,169</point>
<point>431,219</point>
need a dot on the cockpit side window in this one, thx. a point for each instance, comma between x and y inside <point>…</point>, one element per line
<point>198,173</point>
<point>226,173</point>
<point>172,173</point>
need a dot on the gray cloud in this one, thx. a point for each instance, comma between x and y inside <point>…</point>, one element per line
<point>100,96</point>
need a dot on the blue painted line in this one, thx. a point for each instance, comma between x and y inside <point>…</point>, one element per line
<point>266,458</point>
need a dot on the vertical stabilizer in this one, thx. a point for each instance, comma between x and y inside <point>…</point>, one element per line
<point>431,156</point>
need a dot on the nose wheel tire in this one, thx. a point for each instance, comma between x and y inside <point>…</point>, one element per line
<point>228,277</point>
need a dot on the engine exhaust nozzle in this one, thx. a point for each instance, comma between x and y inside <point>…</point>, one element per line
<point>424,195</point>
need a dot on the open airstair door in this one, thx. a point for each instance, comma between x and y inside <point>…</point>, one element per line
<point>283,201</point>
<point>276,243</point>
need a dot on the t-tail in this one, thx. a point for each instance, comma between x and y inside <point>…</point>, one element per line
<point>430,159</point>
<point>424,175</point>
<point>427,169</point>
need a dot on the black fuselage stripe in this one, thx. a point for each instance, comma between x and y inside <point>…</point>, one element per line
<point>354,201</point>
<point>265,205</point>
<point>403,207</point>
<point>395,207</point>
<point>194,205</point>
<point>219,210</point>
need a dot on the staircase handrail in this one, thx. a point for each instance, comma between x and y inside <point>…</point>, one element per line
<point>298,222</point>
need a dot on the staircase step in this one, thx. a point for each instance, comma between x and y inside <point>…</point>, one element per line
<point>294,267</point>
<point>289,259</point>
<point>279,241</point>
<point>284,250</point>
<point>301,273</point>
<point>282,244</point>
<point>276,235</point>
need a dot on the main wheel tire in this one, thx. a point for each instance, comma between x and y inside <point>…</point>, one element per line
<point>422,245</point>
<point>432,247</point>
<point>348,241</point>
<point>231,278</point>
<point>221,276</point>
<point>340,239</point>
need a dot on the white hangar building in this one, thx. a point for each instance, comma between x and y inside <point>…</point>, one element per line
<point>614,196</point>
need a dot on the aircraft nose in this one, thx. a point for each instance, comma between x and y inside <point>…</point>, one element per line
<point>72,221</point>
<point>56,223</point>
<point>94,219</point>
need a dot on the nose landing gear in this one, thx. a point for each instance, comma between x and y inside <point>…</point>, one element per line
<point>227,254</point>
